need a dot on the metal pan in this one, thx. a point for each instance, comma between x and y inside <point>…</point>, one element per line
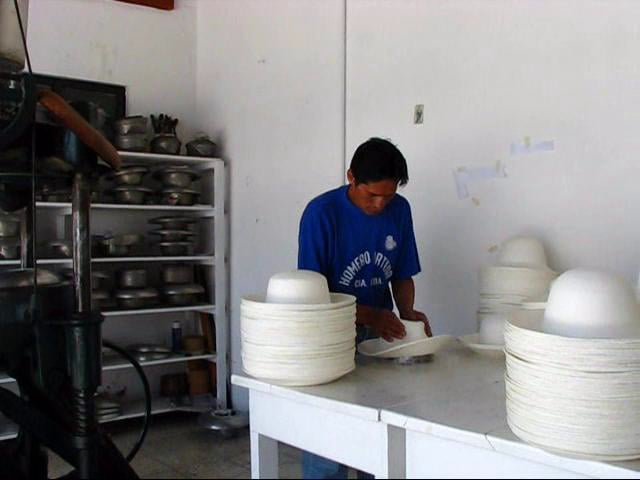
<point>183,294</point>
<point>174,222</point>
<point>137,298</point>
<point>183,197</point>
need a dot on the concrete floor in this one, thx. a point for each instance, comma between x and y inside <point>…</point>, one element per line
<point>177,448</point>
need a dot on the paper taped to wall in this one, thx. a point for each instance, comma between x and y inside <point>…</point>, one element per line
<point>463,176</point>
<point>528,147</point>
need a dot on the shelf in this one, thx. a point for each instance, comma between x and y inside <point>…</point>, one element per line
<point>129,411</point>
<point>8,431</point>
<point>160,158</point>
<point>207,259</point>
<point>210,259</point>
<point>202,209</point>
<point>158,406</point>
<point>151,311</point>
<point>119,364</point>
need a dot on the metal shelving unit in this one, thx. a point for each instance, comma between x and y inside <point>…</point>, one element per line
<point>212,209</point>
<point>129,411</point>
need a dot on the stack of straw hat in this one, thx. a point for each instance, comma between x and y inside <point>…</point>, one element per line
<point>573,370</point>
<point>299,334</point>
<point>520,276</point>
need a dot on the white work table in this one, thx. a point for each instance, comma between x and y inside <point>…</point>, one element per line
<point>445,418</point>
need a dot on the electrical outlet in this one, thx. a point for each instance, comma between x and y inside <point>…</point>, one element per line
<point>418,115</point>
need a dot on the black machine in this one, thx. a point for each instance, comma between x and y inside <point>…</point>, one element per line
<point>50,340</point>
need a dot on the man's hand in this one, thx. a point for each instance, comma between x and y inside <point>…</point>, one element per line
<point>386,324</point>
<point>416,316</point>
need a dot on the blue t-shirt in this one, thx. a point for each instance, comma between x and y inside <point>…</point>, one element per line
<point>358,253</point>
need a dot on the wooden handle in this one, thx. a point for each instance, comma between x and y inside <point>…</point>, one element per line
<point>87,134</point>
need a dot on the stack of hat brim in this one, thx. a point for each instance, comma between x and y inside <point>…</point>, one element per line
<point>298,344</point>
<point>574,396</point>
<point>520,276</point>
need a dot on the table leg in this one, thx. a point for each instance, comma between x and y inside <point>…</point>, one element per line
<point>394,463</point>
<point>264,456</point>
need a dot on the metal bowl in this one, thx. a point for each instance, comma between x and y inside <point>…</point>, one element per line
<point>177,176</point>
<point>134,142</point>
<point>131,125</point>
<point>129,176</point>
<point>183,294</point>
<point>167,144</point>
<point>176,248</point>
<point>174,223</point>
<point>149,353</point>
<point>177,274</point>
<point>173,235</point>
<point>132,278</point>
<point>179,196</point>
<point>130,195</point>
<point>137,298</point>
<point>9,248</point>
<point>9,226</point>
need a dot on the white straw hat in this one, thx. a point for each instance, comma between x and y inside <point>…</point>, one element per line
<point>592,304</point>
<point>522,251</point>
<point>416,343</point>
<point>298,334</point>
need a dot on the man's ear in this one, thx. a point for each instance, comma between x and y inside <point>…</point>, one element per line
<point>350,177</point>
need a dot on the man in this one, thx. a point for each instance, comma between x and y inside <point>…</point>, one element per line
<point>360,236</point>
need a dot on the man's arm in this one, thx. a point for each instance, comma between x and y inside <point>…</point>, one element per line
<point>384,322</point>
<point>404,293</point>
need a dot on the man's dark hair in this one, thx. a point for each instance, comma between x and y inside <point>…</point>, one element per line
<point>378,159</point>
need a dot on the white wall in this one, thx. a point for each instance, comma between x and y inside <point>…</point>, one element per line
<point>270,90</point>
<point>151,52</point>
<point>490,73</point>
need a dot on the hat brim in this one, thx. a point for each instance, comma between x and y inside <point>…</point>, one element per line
<point>417,348</point>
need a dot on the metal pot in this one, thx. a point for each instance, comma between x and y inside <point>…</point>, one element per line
<point>173,235</point>
<point>177,274</point>
<point>9,248</point>
<point>129,176</point>
<point>166,144</point>
<point>138,298</point>
<point>179,196</point>
<point>10,279</point>
<point>177,176</point>
<point>131,125</point>
<point>9,226</point>
<point>99,280</point>
<point>201,147</point>
<point>176,248</point>
<point>134,142</point>
<point>61,248</point>
<point>119,246</point>
<point>58,196</point>
<point>101,300</point>
<point>132,278</point>
<point>183,294</point>
<point>130,195</point>
<point>12,55</point>
<point>174,223</point>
